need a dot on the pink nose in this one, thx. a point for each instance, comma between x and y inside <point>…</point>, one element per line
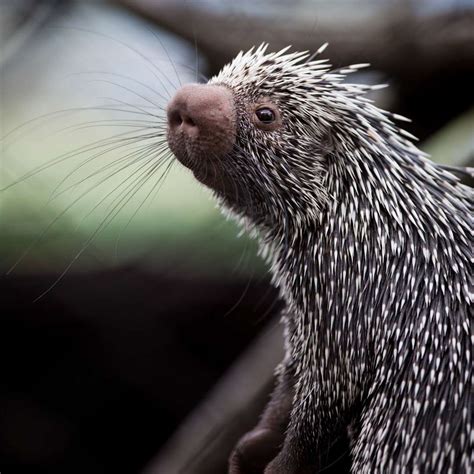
<point>201,123</point>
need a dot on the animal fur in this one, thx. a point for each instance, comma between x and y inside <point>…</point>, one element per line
<point>370,244</point>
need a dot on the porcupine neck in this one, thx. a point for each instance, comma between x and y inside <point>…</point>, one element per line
<point>385,243</point>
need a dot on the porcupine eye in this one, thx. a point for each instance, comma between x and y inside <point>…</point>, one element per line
<point>265,115</point>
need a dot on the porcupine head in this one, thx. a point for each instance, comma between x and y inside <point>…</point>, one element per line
<point>369,243</point>
<point>256,135</point>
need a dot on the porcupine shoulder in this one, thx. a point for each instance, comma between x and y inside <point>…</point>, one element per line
<point>369,243</point>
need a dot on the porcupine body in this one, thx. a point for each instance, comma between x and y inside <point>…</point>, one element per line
<point>370,245</point>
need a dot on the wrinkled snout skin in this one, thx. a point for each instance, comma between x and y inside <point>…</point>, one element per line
<point>201,126</point>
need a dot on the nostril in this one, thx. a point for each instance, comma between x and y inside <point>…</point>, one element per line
<point>175,119</point>
<point>189,121</point>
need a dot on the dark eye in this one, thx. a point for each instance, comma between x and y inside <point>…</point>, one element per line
<point>265,115</point>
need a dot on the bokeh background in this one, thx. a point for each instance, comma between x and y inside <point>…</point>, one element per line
<point>138,329</point>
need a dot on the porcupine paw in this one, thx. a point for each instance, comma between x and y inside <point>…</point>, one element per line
<point>285,463</point>
<point>255,450</point>
<point>277,468</point>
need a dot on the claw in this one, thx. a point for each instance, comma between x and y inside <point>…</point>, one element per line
<point>254,451</point>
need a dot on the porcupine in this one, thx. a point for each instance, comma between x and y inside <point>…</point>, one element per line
<point>368,242</point>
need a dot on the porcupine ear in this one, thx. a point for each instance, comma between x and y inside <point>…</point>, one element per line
<point>327,145</point>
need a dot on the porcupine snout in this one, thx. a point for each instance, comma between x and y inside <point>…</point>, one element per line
<point>201,124</point>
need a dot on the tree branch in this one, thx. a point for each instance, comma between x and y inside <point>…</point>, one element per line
<point>401,44</point>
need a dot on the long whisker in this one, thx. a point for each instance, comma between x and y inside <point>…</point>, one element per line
<point>154,69</point>
<point>112,141</point>
<point>142,150</point>
<point>187,67</point>
<point>56,219</point>
<point>49,115</point>
<point>123,76</point>
<point>131,123</point>
<point>169,58</point>
<point>105,222</point>
<point>149,159</point>
<point>125,88</point>
<point>155,188</point>
<point>141,108</point>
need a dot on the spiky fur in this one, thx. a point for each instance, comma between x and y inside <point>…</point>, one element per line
<point>370,245</point>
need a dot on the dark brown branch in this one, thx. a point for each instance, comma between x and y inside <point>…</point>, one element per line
<point>203,442</point>
<point>400,44</point>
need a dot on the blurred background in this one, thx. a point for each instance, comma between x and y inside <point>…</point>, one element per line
<point>138,329</point>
